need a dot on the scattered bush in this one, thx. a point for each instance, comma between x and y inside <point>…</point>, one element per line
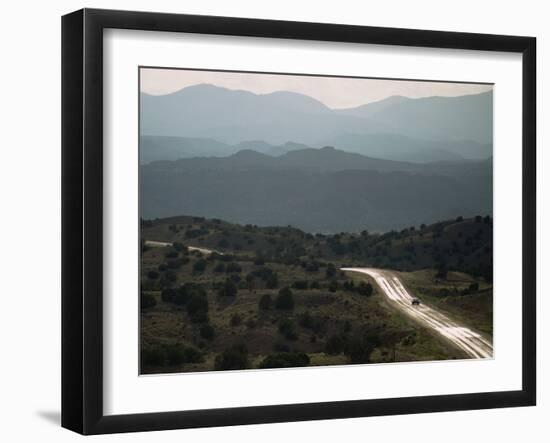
<point>152,275</point>
<point>181,295</point>
<point>316,324</point>
<point>349,286</point>
<point>287,328</point>
<point>170,276</point>
<point>153,356</point>
<point>206,332</point>
<point>179,247</point>
<point>359,348</point>
<point>233,358</point>
<point>335,344</point>
<point>169,354</point>
<point>219,268</point>
<point>281,347</point>
<point>233,267</point>
<point>199,266</point>
<point>314,285</point>
<point>300,284</point>
<point>197,308</point>
<point>365,289</point>
<point>147,300</point>
<point>265,302</point>
<point>228,289</point>
<point>236,320</point>
<point>285,300</point>
<point>474,287</point>
<point>272,282</point>
<point>330,272</point>
<point>171,254</point>
<point>285,360</point>
<point>177,354</point>
<point>441,271</point>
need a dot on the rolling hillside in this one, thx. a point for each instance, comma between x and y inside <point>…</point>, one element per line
<point>322,190</point>
<point>415,130</point>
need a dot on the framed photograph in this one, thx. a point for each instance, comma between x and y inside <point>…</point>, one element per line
<point>269,221</point>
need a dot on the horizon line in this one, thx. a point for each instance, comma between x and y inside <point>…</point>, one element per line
<point>313,98</point>
<point>336,92</point>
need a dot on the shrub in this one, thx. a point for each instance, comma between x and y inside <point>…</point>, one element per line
<point>236,320</point>
<point>235,357</point>
<point>285,360</point>
<point>335,344</point>
<point>177,263</point>
<point>333,286</point>
<point>441,271</point>
<point>207,332</point>
<point>349,285</point>
<point>228,289</point>
<point>265,302</point>
<point>285,300</point>
<point>147,301</point>
<point>200,265</point>
<point>220,267</point>
<point>359,348</point>
<point>330,271</point>
<point>197,307</point>
<point>167,295</point>
<point>177,354</point>
<point>233,267</point>
<point>312,266</point>
<point>365,289</point>
<point>259,261</point>
<point>181,295</point>
<point>316,324</point>
<point>169,277</point>
<point>300,284</point>
<point>314,285</point>
<point>171,254</point>
<point>153,356</point>
<point>281,347</point>
<point>288,329</point>
<point>474,287</point>
<point>179,247</point>
<point>152,275</point>
<point>272,282</point>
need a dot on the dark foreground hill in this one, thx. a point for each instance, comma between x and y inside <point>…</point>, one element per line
<point>276,297</point>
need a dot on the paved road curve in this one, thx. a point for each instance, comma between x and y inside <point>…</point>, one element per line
<point>472,343</point>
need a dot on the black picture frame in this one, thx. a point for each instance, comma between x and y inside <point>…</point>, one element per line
<point>82,218</point>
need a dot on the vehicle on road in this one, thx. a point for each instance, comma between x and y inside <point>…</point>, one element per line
<point>415,302</point>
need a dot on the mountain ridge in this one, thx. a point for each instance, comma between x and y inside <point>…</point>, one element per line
<point>232,116</point>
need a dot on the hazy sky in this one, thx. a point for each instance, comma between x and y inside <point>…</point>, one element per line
<point>333,92</point>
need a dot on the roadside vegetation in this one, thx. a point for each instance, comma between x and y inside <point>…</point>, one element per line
<point>269,297</point>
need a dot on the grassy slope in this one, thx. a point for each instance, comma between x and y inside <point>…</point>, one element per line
<point>286,250</point>
<point>451,296</point>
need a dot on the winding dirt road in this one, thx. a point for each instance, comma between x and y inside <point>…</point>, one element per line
<point>472,343</point>
<point>162,244</point>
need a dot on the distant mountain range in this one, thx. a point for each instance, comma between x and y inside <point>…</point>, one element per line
<point>154,148</point>
<point>207,120</point>
<point>318,190</point>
